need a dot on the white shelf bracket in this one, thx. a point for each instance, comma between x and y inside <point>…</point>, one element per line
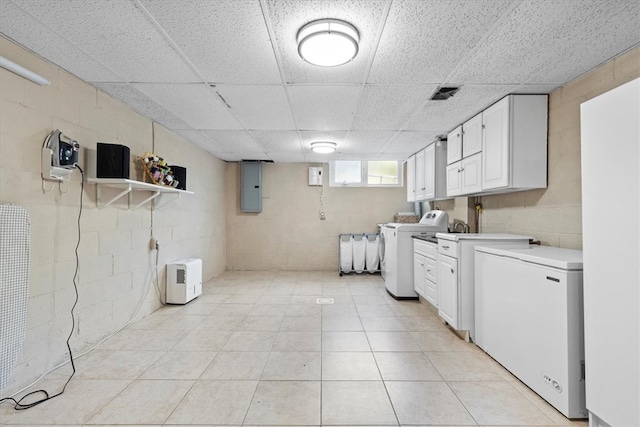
<point>113,199</point>
<point>148,199</point>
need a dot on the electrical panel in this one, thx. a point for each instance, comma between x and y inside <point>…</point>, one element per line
<point>315,176</point>
<point>251,187</point>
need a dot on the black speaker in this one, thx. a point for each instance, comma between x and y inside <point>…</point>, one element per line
<point>112,161</point>
<point>180,175</point>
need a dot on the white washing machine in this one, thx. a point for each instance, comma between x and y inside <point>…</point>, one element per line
<point>396,257</point>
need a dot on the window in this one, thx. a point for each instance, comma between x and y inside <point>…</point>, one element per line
<point>373,173</point>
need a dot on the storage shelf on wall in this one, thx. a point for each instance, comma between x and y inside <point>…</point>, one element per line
<point>129,186</point>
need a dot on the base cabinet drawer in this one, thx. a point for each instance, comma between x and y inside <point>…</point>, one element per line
<point>447,247</point>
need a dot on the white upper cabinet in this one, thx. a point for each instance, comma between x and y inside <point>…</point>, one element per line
<point>411,179</point>
<point>429,166</point>
<point>454,145</point>
<point>420,181</point>
<point>514,144</point>
<point>509,143</point>
<point>472,136</point>
<point>426,173</point>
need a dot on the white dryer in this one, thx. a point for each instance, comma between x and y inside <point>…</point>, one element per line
<point>396,259</point>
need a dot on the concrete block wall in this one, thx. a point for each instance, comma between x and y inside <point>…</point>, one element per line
<point>116,269</point>
<point>554,214</point>
<point>288,234</point>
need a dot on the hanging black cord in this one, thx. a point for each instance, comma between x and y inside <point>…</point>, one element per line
<point>18,405</point>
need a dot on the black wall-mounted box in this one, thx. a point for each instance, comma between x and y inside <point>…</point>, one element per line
<point>112,161</point>
<point>180,175</point>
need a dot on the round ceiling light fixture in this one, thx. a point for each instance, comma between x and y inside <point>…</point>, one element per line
<point>323,147</point>
<point>328,42</point>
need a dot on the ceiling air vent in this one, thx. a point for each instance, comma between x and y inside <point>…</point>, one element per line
<point>444,93</point>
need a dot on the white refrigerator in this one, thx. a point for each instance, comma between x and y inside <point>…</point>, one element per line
<point>610,139</point>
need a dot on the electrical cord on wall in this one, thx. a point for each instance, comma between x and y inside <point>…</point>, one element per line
<point>18,404</point>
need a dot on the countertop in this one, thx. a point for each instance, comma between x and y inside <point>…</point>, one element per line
<point>481,236</point>
<point>430,239</point>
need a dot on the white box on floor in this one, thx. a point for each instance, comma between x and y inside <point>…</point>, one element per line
<point>184,280</point>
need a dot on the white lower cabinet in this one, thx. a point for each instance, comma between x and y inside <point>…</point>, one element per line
<point>425,270</point>
<point>448,289</point>
<point>419,280</point>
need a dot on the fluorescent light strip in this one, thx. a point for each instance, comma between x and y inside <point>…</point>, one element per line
<point>23,72</point>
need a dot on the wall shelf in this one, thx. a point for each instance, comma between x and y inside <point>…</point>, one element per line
<point>129,187</point>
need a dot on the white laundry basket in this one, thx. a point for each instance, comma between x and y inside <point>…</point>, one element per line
<point>359,249</point>
<point>372,252</point>
<point>346,253</point>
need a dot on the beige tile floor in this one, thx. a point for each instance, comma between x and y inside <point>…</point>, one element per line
<point>256,349</point>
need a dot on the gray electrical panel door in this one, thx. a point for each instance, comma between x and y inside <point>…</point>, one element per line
<point>251,187</point>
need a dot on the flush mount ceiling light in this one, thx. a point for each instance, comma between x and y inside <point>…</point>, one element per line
<point>323,147</point>
<point>328,42</point>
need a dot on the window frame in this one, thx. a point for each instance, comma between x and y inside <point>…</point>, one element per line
<point>364,175</point>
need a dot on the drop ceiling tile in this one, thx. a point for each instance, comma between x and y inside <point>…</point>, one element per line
<point>141,103</point>
<point>366,142</point>
<point>258,107</point>
<point>536,88</point>
<point>390,107</point>
<point>226,40</point>
<point>116,33</point>
<point>443,116</point>
<point>552,41</point>
<point>196,104</point>
<point>287,17</point>
<point>324,107</point>
<point>237,142</point>
<point>424,40</point>
<point>33,34</point>
<point>278,141</point>
<point>286,157</point>
<point>359,156</point>
<point>407,143</point>
<point>590,32</point>
<point>198,138</point>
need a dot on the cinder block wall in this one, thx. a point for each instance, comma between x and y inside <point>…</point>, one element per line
<point>288,234</point>
<point>554,215</point>
<point>116,266</point>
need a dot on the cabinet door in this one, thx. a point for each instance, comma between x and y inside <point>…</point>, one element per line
<point>411,179</point>
<point>495,145</point>
<point>430,172</point>
<point>420,176</point>
<point>471,174</point>
<point>454,181</point>
<point>472,136</point>
<point>448,289</point>
<point>419,282</point>
<point>454,145</point>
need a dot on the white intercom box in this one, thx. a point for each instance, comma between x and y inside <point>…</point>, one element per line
<point>315,176</point>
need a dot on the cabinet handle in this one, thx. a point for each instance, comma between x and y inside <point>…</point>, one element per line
<point>452,271</point>
<point>458,135</point>
<point>445,247</point>
<point>483,126</point>
<point>428,271</point>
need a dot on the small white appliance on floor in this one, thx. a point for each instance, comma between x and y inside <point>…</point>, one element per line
<point>397,256</point>
<point>529,317</point>
<point>184,280</point>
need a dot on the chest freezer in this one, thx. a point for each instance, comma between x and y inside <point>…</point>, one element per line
<point>529,318</point>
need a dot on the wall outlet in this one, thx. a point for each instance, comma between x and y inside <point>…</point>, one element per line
<point>154,244</point>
